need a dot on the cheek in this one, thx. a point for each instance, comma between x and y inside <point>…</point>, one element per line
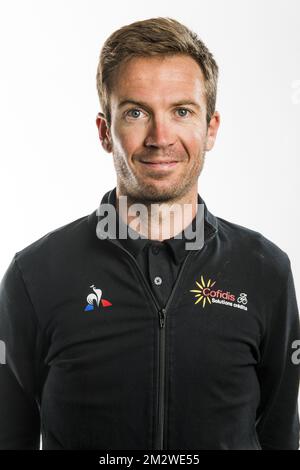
<point>193,139</point>
<point>127,140</point>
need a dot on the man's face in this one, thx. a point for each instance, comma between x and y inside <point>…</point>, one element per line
<point>158,132</point>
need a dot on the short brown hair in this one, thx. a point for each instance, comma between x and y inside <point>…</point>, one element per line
<point>155,36</point>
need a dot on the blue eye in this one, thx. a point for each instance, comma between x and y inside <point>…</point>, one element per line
<point>135,113</point>
<point>185,110</point>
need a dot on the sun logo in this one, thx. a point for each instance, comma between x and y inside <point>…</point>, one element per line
<point>201,294</point>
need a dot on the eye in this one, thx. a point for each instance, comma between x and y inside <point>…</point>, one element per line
<point>133,113</point>
<point>183,112</point>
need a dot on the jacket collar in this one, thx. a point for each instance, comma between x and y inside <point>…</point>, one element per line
<point>136,242</point>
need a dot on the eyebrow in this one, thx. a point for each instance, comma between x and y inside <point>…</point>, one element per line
<point>146,106</point>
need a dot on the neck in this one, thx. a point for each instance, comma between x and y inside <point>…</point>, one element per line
<point>159,220</point>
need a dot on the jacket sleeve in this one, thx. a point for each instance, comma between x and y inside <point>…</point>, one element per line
<point>19,410</point>
<point>278,373</point>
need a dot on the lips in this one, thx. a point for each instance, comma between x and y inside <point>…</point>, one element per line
<point>160,165</point>
<point>159,162</point>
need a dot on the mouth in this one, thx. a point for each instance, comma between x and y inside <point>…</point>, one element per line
<point>160,164</point>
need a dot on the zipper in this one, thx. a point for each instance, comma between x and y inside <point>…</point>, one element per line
<point>159,440</point>
<point>162,315</point>
<point>159,436</point>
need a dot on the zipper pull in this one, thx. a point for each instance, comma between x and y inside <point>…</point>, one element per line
<point>162,316</point>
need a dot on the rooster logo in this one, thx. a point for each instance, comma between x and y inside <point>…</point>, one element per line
<point>94,299</point>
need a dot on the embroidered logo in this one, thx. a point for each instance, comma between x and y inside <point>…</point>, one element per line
<point>205,294</point>
<point>94,300</point>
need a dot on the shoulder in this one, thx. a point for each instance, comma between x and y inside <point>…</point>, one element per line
<point>54,245</point>
<point>253,247</point>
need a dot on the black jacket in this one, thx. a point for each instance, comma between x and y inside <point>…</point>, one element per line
<point>93,362</point>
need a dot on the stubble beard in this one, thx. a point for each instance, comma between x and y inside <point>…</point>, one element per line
<point>146,193</point>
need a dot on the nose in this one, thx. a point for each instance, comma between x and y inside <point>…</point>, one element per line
<point>160,134</point>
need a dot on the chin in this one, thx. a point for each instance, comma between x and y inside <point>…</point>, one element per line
<point>158,192</point>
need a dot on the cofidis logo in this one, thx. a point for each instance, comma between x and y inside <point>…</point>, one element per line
<point>207,293</point>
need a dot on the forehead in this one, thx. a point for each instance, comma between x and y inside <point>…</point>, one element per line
<point>159,77</point>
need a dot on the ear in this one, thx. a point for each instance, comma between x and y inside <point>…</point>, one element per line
<point>212,130</point>
<point>104,132</point>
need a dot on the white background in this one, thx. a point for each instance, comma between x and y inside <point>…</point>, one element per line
<point>53,169</point>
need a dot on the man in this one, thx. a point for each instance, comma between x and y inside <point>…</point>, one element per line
<point>146,341</point>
